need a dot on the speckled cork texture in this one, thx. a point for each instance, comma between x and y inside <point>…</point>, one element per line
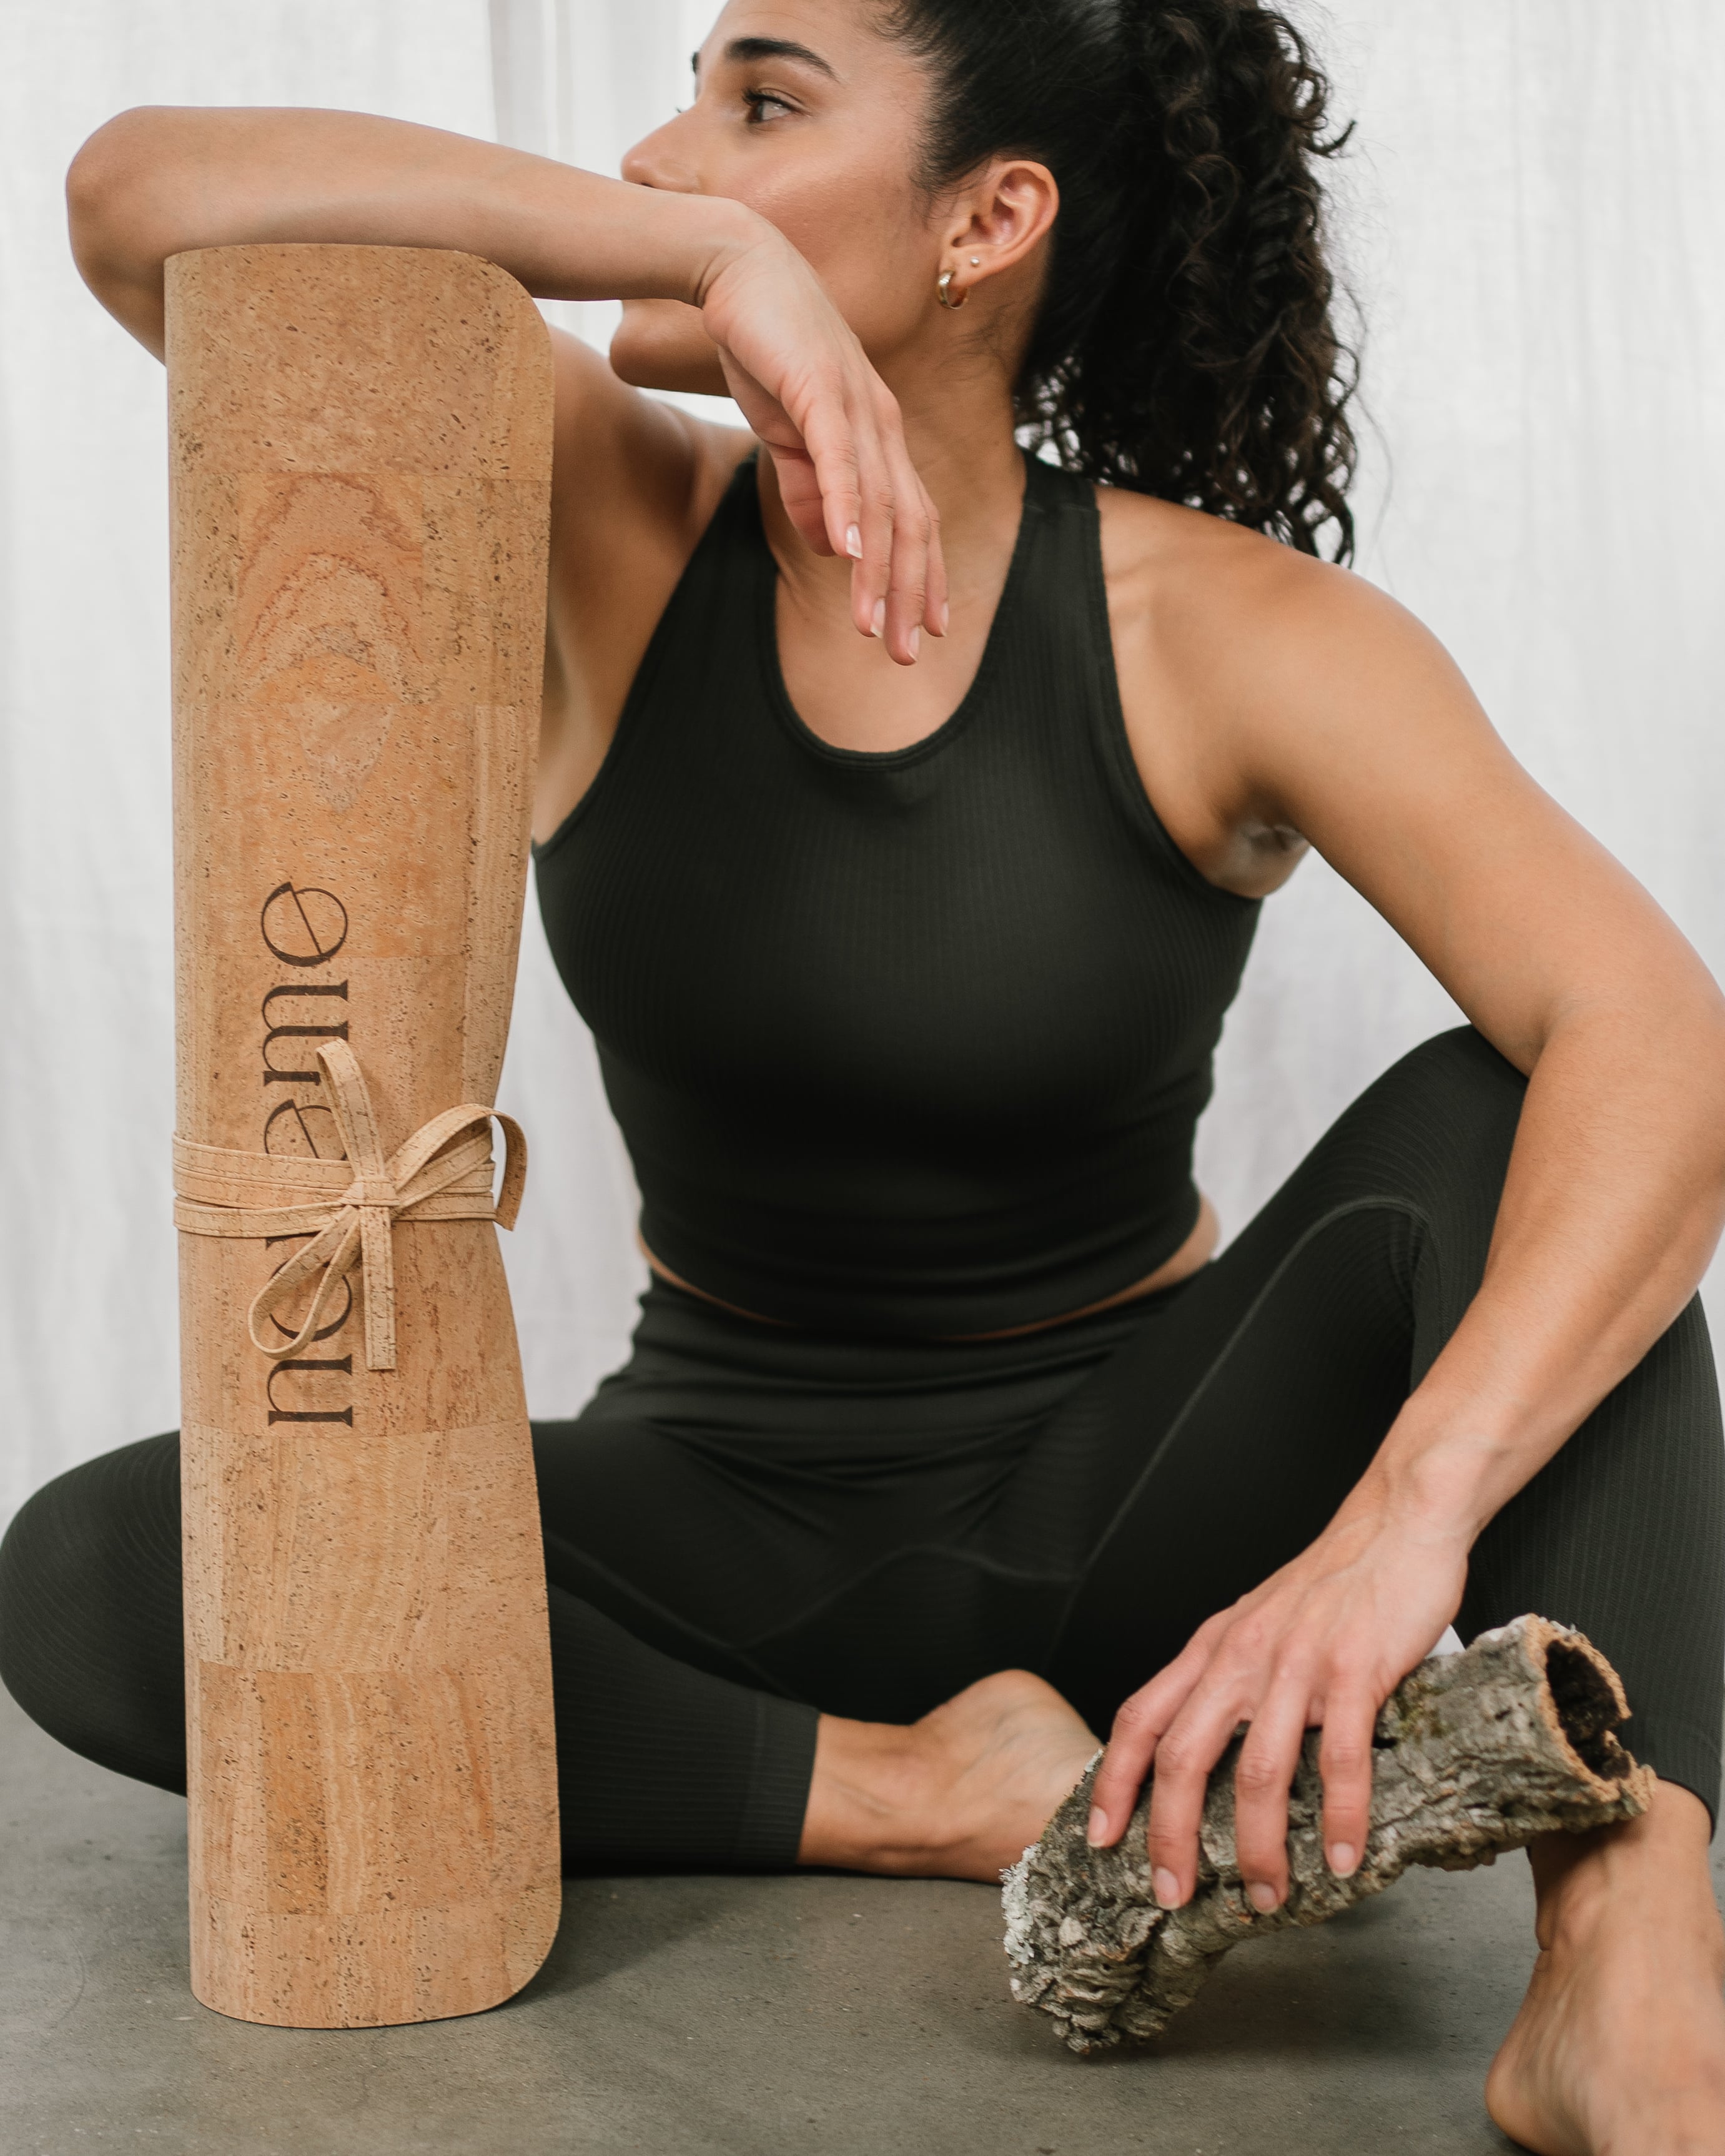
<point>361,452</point>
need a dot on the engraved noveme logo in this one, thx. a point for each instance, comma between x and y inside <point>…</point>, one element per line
<point>303,927</point>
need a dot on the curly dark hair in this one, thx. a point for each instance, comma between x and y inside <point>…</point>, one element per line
<point>1185,344</point>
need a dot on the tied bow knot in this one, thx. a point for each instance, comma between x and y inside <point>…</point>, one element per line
<point>355,1202</point>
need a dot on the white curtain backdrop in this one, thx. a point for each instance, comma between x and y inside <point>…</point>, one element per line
<point>1534,218</point>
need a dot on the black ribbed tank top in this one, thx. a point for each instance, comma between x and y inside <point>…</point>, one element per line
<point>911,1042</point>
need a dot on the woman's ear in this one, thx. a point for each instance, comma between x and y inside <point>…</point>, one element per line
<point>1001,219</point>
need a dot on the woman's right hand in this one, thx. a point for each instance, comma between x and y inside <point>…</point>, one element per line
<point>834,431</point>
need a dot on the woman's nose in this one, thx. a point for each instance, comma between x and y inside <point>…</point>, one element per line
<point>658,160</point>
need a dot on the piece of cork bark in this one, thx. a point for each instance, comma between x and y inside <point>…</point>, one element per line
<point>361,448</point>
<point>1473,1754</point>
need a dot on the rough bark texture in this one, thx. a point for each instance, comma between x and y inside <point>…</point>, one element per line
<point>1476,1752</point>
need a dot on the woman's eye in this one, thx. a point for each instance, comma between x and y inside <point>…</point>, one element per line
<point>763,105</point>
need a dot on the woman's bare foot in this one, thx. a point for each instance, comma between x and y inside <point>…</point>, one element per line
<point>957,1795</point>
<point>1619,2048</point>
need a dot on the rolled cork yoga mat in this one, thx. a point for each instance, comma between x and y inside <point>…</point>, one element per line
<point>361,450</point>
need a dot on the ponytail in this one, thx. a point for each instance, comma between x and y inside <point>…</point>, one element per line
<point>1184,345</point>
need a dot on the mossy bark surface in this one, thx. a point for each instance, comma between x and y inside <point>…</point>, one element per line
<point>1477,1752</point>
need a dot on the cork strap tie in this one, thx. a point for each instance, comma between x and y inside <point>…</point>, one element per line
<point>355,1201</point>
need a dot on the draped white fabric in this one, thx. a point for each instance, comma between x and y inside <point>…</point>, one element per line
<point>1535,220</point>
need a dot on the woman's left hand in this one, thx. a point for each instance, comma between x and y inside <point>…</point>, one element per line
<point>1322,1643</point>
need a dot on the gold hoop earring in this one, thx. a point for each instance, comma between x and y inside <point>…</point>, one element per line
<point>943,292</point>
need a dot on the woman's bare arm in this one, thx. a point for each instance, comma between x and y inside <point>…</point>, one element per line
<point>1331,712</point>
<point>160,180</point>
<point>1363,734</point>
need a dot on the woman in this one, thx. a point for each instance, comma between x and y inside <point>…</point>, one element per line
<point>904,811</point>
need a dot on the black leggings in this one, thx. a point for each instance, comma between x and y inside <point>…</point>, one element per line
<point>749,1524</point>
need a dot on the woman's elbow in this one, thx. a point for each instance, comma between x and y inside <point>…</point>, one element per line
<point>119,223</point>
<point>109,173</point>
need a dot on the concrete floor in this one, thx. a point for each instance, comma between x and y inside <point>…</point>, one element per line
<point>757,2017</point>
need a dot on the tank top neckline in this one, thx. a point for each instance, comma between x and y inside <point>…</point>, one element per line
<point>737,514</point>
<point>930,744</point>
<point>907,1042</point>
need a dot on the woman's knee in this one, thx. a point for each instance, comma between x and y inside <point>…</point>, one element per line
<point>90,1611</point>
<point>1424,1149</point>
<point>1435,1131</point>
<point>1454,1085</point>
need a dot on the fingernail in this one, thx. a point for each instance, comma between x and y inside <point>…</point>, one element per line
<point>880,618</point>
<point>853,543</point>
<point>1095,1828</point>
<point>1168,1890</point>
<point>916,642</point>
<point>1263,1898</point>
<point>946,617</point>
<point>1343,1859</point>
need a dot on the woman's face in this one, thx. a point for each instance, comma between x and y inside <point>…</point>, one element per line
<point>806,112</point>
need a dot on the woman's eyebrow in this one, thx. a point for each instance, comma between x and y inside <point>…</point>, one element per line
<point>745,50</point>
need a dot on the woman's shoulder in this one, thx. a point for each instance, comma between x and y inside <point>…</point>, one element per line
<point>626,464</point>
<point>1237,657</point>
<point>1203,579</point>
<point>635,482</point>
